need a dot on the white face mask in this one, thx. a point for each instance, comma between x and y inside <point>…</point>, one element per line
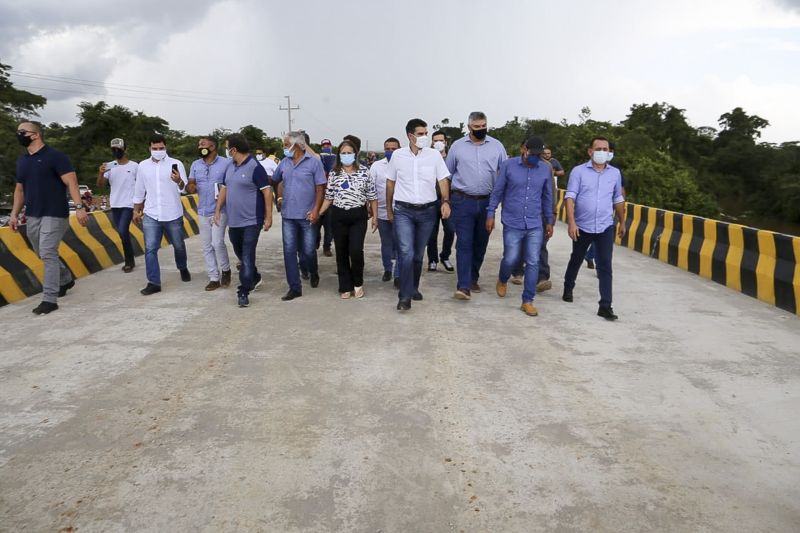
<point>158,155</point>
<point>422,142</point>
<point>259,157</point>
<point>600,157</point>
<point>610,157</point>
<point>439,145</point>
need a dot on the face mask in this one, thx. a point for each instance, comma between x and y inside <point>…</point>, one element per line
<point>610,157</point>
<point>600,157</point>
<point>24,140</point>
<point>479,134</point>
<point>158,155</point>
<point>288,152</point>
<point>347,159</point>
<point>422,142</point>
<point>202,152</point>
<point>439,146</point>
<point>118,153</point>
<point>388,154</point>
<point>533,160</point>
<point>326,150</point>
<point>259,157</point>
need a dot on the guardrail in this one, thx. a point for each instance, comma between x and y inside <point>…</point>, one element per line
<point>84,250</point>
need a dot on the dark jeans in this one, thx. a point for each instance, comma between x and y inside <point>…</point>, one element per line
<point>299,236</point>
<point>244,241</point>
<point>469,221</point>
<point>412,228</point>
<point>590,253</point>
<point>544,264</point>
<point>447,241</point>
<point>388,248</point>
<point>349,230</point>
<point>604,247</point>
<point>122,217</point>
<point>153,231</point>
<point>326,223</point>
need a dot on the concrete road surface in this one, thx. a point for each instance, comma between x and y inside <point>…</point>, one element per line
<point>182,412</point>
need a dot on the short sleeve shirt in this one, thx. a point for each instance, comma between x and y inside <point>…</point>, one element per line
<point>348,191</point>
<point>243,197</point>
<point>415,176</point>
<point>299,185</point>
<point>122,179</point>
<point>40,176</point>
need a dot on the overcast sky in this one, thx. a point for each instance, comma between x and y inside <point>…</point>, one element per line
<point>367,66</point>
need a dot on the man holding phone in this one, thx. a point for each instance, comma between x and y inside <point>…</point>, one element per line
<point>157,205</point>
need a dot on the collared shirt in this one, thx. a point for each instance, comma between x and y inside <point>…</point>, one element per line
<point>348,191</point>
<point>269,165</point>
<point>328,161</point>
<point>208,178</point>
<point>299,185</point>
<point>595,194</point>
<point>415,176</point>
<point>154,187</point>
<point>525,192</point>
<point>243,193</point>
<point>40,175</point>
<point>377,173</point>
<point>474,165</point>
<point>122,179</point>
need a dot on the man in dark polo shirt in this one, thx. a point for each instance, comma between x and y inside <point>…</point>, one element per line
<point>44,176</point>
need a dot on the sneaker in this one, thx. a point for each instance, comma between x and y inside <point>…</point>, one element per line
<point>327,252</point>
<point>607,313</point>
<point>213,285</point>
<point>150,289</point>
<point>417,296</point>
<point>516,280</point>
<point>590,264</point>
<point>225,280</point>
<point>259,281</point>
<point>291,295</point>
<point>544,285</point>
<point>501,288</point>
<point>404,305</point>
<point>567,296</point>
<point>128,268</point>
<point>529,309</point>
<point>475,287</point>
<point>447,265</point>
<point>462,294</point>
<point>44,308</point>
<point>314,281</point>
<point>387,276</point>
<point>62,291</point>
<point>432,266</point>
<point>358,292</point>
<point>185,275</point>
<point>244,301</point>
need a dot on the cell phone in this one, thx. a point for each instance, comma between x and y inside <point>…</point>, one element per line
<point>175,167</point>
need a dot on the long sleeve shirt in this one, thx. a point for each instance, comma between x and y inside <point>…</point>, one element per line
<point>154,187</point>
<point>526,193</point>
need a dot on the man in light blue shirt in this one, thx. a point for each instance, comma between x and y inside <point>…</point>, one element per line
<point>594,194</point>
<point>473,162</point>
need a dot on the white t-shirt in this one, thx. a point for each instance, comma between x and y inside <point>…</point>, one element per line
<point>415,176</point>
<point>269,165</point>
<point>377,172</point>
<point>122,179</point>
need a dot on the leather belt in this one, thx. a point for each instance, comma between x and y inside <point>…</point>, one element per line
<point>417,207</point>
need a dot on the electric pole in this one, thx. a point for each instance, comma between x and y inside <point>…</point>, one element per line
<point>289,110</point>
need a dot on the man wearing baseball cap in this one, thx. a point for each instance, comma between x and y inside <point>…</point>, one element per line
<point>120,175</point>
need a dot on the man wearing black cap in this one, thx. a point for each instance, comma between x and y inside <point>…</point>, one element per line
<point>525,188</point>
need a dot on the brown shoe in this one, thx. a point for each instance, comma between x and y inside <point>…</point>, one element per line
<point>213,285</point>
<point>225,280</point>
<point>529,309</point>
<point>544,285</point>
<point>462,294</point>
<point>475,288</point>
<point>516,280</point>
<point>501,288</point>
<point>327,252</point>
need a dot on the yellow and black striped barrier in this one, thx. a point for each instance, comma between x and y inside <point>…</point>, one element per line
<point>83,249</point>
<point>760,263</point>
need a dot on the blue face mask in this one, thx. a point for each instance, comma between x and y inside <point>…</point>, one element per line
<point>326,150</point>
<point>388,154</point>
<point>288,152</point>
<point>533,160</point>
<point>347,159</point>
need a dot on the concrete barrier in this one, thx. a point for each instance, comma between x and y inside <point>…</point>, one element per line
<point>84,250</point>
<point>760,263</point>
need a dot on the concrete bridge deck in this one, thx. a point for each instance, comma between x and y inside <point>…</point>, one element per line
<point>182,412</point>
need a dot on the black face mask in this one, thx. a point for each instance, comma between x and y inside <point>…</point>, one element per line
<point>203,152</point>
<point>24,140</point>
<point>480,134</point>
<point>118,153</point>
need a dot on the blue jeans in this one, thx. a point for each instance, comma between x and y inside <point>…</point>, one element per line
<point>412,228</point>
<point>388,247</point>
<point>122,221</point>
<point>244,241</point>
<point>153,231</point>
<point>604,248</point>
<point>447,241</point>
<point>522,244</point>
<point>469,219</point>
<point>299,237</point>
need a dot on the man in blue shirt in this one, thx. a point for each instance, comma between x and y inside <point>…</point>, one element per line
<point>205,177</point>
<point>524,186</point>
<point>328,159</point>
<point>594,194</point>
<point>44,178</point>
<point>473,162</point>
<point>301,185</point>
<point>247,198</point>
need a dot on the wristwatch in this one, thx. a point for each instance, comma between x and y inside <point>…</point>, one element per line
<point>80,207</point>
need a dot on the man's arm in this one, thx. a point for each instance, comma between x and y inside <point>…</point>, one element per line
<point>620,210</point>
<point>101,178</point>
<point>221,202</point>
<point>70,179</point>
<point>267,192</point>
<point>498,192</point>
<point>19,201</point>
<point>390,200</point>
<point>573,187</point>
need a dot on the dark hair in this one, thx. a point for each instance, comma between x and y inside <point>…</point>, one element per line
<point>392,140</point>
<point>212,140</point>
<point>38,127</point>
<point>611,146</point>
<point>598,138</point>
<point>415,123</point>
<point>439,132</point>
<point>356,143</point>
<point>157,138</point>
<point>239,142</point>
<point>337,167</point>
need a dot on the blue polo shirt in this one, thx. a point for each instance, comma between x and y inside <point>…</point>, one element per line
<point>243,197</point>
<point>206,176</point>
<point>40,176</point>
<point>299,185</point>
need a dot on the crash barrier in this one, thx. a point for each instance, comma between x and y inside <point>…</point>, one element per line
<point>84,250</point>
<point>760,263</point>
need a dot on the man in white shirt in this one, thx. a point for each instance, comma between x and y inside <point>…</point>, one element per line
<point>377,172</point>
<point>268,163</point>
<point>157,205</point>
<point>120,174</point>
<point>411,203</point>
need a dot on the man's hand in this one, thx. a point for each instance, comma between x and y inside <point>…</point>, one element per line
<point>445,211</point>
<point>573,231</point>
<point>103,168</point>
<point>82,216</point>
<point>374,224</point>
<point>13,223</point>
<point>176,177</point>
<point>548,231</point>
<point>489,225</point>
<point>267,223</point>
<point>312,216</point>
<point>217,218</point>
<point>621,230</point>
<point>137,216</point>
<point>389,214</point>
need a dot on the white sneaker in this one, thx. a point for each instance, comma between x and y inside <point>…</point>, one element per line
<point>432,266</point>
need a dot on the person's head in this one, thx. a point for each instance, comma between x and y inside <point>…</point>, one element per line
<point>30,133</point>
<point>477,125</point>
<point>346,155</point>
<point>294,142</point>
<point>260,155</point>
<point>532,149</point>
<point>389,146</point>
<point>356,142</point>
<point>547,153</point>
<point>417,133</point>
<point>326,145</point>
<point>439,140</point>
<point>598,150</point>
<point>117,148</point>
<point>237,146</point>
<point>207,146</point>
<point>158,146</point>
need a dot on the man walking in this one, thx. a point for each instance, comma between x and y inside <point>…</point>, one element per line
<point>440,145</point>
<point>328,159</point>
<point>120,174</point>
<point>378,172</point>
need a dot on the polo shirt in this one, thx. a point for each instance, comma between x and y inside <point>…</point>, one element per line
<point>415,176</point>
<point>40,176</point>
<point>243,197</point>
<point>207,177</point>
<point>122,179</point>
<point>154,187</point>
<point>299,185</point>
<point>474,165</point>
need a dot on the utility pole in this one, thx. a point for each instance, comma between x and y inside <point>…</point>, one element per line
<point>289,110</point>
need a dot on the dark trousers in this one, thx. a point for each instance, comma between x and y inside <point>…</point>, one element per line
<point>122,217</point>
<point>325,222</point>
<point>604,248</point>
<point>447,241</point>
<point>469,220</point>
<point>244,241</point>
<point>349,230</point>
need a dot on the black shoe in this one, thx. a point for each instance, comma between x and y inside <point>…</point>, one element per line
<point>304,275</point>
<point>244,301</point>
<point>417,296</point>
<point>258,281</point>
<point>404,305</point>
<point>185,275</point>
<point>447,265</point>
<point>327,252</point>
<point>396,283</point>
<point>128,269</point>
<point>291,295</point>
<point>607,313</point>
<point>432,266</point>
<point>62,291</point>
<point>590,264</point>
<point>567,296</point>
<point>314,281</point>
<point>44,308</point>
<point>150,289</point>
<point>387,276</point>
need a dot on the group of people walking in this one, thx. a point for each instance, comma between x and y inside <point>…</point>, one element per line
<point>405,197</point>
